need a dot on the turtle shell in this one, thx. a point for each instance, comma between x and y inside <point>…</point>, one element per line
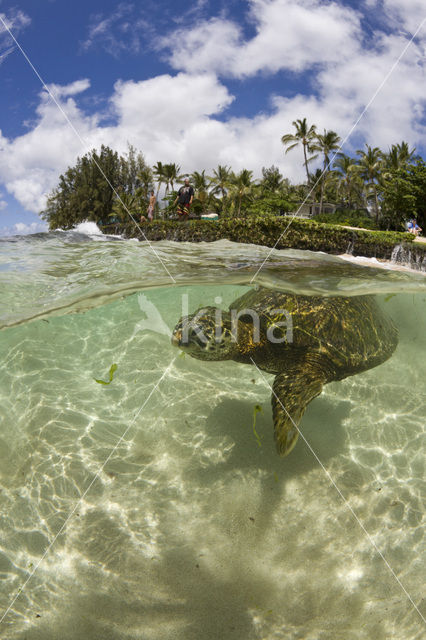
<point>348,334</point>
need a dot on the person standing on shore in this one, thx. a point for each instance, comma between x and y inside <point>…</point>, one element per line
<point>184,199</point>
<point>151,206</point>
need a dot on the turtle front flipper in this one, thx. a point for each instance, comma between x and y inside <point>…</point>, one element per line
<point>291,393</point>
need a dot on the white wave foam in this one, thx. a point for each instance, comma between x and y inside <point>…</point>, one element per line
<point>92,230</point>
<point>373,262</point>
<point>88,228</point>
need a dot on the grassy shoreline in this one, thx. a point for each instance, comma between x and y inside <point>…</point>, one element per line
<point>283,232</point>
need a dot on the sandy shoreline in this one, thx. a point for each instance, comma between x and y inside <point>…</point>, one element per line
<point>417,239</point>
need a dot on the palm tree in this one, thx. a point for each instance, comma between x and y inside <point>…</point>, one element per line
<point>326,142</point>
<point>346,178</point>
<point>158,170</point>
<point>314,184</point>
<point>200,185</point>
<point>127,203</point>
<point>369,168</point>
<point>144,181</point>
<point>272,181</point>
<point>305,135</point>
<point>321,183</point>
<point>199,180</point>
<point>241,186</point>
<point>220,180</point>
<point>398,156</point>
<point>171,175</point>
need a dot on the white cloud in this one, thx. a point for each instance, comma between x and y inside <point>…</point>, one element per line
<point>398,110</point>
<point>120,32</point>
<point>30,164</point>
<point>21,228</point>
<point>3,203</point>
<point>5,54</point>
<point>63,91</point>
<point>182,118</point>
<point>211,46</point>
<point>16,21</point>
<point>290,34</point>
<point>162,108</point>
<point>155,115</point>
<point>33,227</point>
<point>408,14</point>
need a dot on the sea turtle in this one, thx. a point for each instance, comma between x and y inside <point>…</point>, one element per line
<point>306,341</point>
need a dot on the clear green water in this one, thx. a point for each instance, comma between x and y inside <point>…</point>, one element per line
<point>191,530</point>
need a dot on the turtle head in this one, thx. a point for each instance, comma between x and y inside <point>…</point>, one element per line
<point>206,335</point>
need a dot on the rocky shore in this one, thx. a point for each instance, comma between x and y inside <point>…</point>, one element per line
<point>284,232</point>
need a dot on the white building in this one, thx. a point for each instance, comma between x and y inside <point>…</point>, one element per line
<point>312,209</point>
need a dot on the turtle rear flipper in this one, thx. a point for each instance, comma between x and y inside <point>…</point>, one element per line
<point>291,393</point>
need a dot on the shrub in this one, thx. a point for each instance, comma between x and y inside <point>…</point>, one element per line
<point>347,217</point>
<point>283,232</point>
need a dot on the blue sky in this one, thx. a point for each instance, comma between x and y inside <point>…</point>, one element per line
<point>200,84</point>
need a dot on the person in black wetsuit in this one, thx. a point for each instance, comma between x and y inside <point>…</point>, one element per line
<point>184,199</point>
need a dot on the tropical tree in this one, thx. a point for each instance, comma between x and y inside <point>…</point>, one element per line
<point>86,191</point>
<point>323,185</point>
<point>273,181</point>
<point>403,195</point>
<point>200,183</point>
<point>199,180</point>
<point>241,188</point>
<point>315,184</point>
<point>369,168</point>
<point>398,202</point>
<point>326,143</point>
<point>145,182</point>
<point>349,185</point>
<point>125,204</point>
<point>158,170</point>
<point>135,173</point>
<point>417,178</point>
<point>171,175</point>
<point>399,156</point>
<point>305,136</point>
<point>219,186</point>
<point>220,180</point>
<point>298,192</point>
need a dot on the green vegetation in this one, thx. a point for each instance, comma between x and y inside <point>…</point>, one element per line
<point>376,190</point>
<point>391,184</point>
<point>281,232</point>
<point>102,187</point>
<point>305,136</point>
<point>257,409</point>
<point>347,217</point>
<point>112,370</point>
